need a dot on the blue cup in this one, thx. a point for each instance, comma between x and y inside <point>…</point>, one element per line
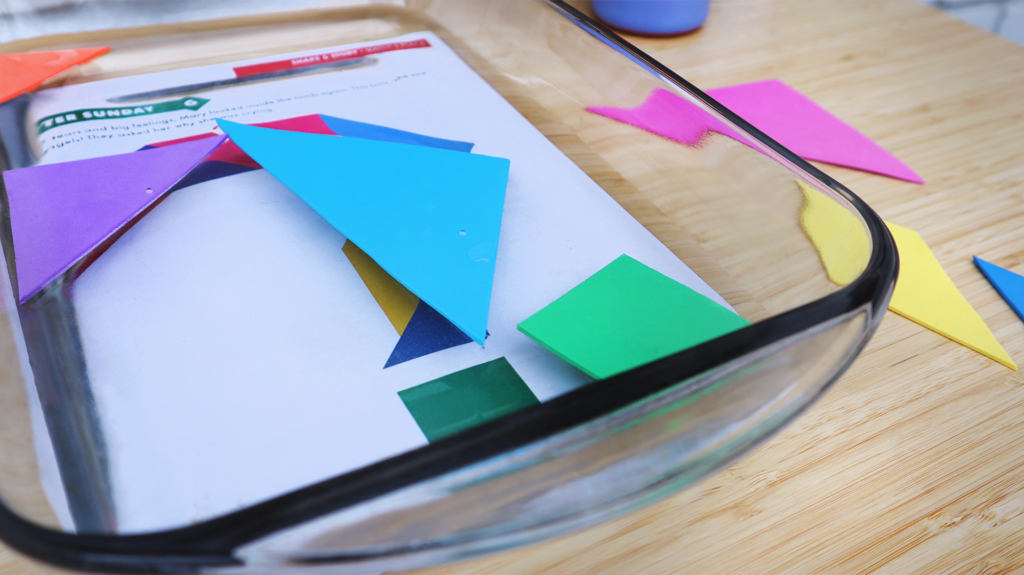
<point>653,17</point>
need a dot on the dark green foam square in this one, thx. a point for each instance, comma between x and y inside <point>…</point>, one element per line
<point>467,398</point>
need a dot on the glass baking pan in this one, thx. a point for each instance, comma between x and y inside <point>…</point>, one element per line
<point>792,251</point>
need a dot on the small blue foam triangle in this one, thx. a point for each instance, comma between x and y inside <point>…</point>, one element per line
<point>430,217</point>
<point>354,129</point>
<point>428,332</point>
<point>1008,284</point>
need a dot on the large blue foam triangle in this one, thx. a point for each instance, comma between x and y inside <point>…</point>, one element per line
<point>1008,284</point>
<point>430,217</point>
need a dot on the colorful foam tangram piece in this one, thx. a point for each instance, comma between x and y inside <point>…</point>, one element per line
<point>785,115</point>
<point>624,316</point>
<point>431,332</point>
<point>428,332</point>
<point>431,218</point>
<point>838,236</point>
<point>61,212</point>
<point>23,72</point>
<point>353,129</point>
<point>467,398</point>
<point>670,116</point>
<point>229,159</point>
<point>398,303</point>
<point>926,294</point>
<point>1008,284</point>
<point>423,331</point>
<point>810,131</point>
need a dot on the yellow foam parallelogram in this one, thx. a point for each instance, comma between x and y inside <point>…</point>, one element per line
<point>926,294</point>
<point>837,234</point>
<point>397,302</point>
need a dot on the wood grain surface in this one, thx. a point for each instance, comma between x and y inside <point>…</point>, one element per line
<point>914,463</point>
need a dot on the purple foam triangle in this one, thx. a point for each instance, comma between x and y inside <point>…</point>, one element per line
<point>61,212</point>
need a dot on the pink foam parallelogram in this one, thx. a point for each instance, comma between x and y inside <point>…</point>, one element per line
<point>785,115</point>
<point>670,116</point>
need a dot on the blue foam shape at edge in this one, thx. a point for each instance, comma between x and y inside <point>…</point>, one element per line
<point>1008,284</point>
<point>355,129</point>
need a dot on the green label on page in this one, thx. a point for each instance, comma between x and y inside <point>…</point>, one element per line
<point>89,114</point>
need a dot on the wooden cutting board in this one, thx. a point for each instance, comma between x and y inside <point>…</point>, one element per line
<point>914,462</point>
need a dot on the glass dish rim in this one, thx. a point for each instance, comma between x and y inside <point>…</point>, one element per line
<point>211,543</point>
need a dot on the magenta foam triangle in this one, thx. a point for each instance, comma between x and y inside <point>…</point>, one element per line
<point>807,129</point>
<point>61,212</point>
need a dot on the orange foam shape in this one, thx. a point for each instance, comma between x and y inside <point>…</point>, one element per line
<point>22,72</point>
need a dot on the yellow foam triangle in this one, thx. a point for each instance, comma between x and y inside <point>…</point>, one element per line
<point>926,294</point>
<point>397,302</point>
<point>838,236</point>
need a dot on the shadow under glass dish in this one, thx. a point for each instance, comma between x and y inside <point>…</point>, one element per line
<point>740,211</point>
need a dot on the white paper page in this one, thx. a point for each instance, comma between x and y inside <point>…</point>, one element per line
<point>235,354</point>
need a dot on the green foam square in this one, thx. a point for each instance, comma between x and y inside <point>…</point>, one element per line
<point>467,398</point>
<point>624,316</point>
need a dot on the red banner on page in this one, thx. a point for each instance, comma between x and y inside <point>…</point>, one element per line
<point>303,61</point>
